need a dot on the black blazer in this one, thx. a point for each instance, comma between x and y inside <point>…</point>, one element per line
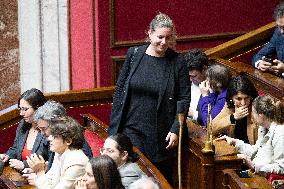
<point>175,91</point>
<point>40,145</point>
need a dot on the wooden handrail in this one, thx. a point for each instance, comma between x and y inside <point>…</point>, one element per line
<point>232,180</point>
<point>243,42</point>
<point>74,98</point>
<point>266,82</point>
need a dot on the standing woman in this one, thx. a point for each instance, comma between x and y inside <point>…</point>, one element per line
<point>28,139</point>
<point>153,79</point>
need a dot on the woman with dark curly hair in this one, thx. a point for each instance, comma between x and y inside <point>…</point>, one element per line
<point>101,173</point>
<point>235,118</point>
<point>267,155</point>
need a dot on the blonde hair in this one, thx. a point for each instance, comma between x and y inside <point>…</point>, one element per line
<point>162,20</point>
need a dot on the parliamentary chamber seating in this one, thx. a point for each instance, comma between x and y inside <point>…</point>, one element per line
<point>92,109</point>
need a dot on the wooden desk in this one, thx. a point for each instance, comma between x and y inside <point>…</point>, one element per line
<point>10,174</point>
<point>216,170</point>
<point>233,181</point>
<point>204,170</point>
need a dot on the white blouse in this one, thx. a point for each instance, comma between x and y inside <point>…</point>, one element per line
<point>268,152</point>
<point>64,170</point>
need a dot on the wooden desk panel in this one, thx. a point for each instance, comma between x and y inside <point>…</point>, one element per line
<point>208,171</point>
<point>10,174</point>
<point>205,169</point>
<point>233,181</point>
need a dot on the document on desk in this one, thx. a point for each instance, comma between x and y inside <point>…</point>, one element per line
<point>222,148</point>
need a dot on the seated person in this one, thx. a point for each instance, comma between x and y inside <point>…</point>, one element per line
<point>213,91</point>
<point>235,118</point>
<point>267,155</point>
<point>197,63</point>
<point>69,163</point>
<point>28,139</point>
<point>144,183</point>
<point>120,149</point>
<point>101,173</point>
<point>43,116</point>
<point>274,47</point>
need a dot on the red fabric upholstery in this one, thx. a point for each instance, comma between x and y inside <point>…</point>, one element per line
<point>274,176</point>
<point>7,137</point>
<point>95,142</point>
<point>101,111</point>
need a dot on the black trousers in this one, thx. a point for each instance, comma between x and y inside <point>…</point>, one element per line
<point>166,168</point>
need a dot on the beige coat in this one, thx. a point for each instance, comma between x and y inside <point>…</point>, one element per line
<point>64,170</point>
<point>222,121</point>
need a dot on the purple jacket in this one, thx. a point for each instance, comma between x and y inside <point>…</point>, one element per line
<point>217,102</point>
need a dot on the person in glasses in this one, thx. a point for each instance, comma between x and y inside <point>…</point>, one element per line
<point>120,148</point>
<point>43,117</point>
<point>264,59</point>
<point>66,141</point>
<point>28,139</point>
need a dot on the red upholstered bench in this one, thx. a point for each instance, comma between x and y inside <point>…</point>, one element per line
<point>95,141</point>
<point>274,176</point>
<point>7,137</point>
<point>102,111</point>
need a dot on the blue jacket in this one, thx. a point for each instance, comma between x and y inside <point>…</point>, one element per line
<point>274,47</point>
<point>217,102</point>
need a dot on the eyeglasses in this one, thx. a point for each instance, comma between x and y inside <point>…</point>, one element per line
<point>24,109</point>
<point>107,150</point>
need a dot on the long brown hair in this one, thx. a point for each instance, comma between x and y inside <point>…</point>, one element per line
<point>106,173</point>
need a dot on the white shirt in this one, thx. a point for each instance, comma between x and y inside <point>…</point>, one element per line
<point>195,96</point>
<point>268,152</point>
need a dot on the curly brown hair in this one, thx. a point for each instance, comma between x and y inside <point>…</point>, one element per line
<point>68,128</point>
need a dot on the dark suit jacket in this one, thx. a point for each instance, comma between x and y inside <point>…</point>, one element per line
<point>274,47</point>
<point>40,145</point>
<point>174,95</point>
